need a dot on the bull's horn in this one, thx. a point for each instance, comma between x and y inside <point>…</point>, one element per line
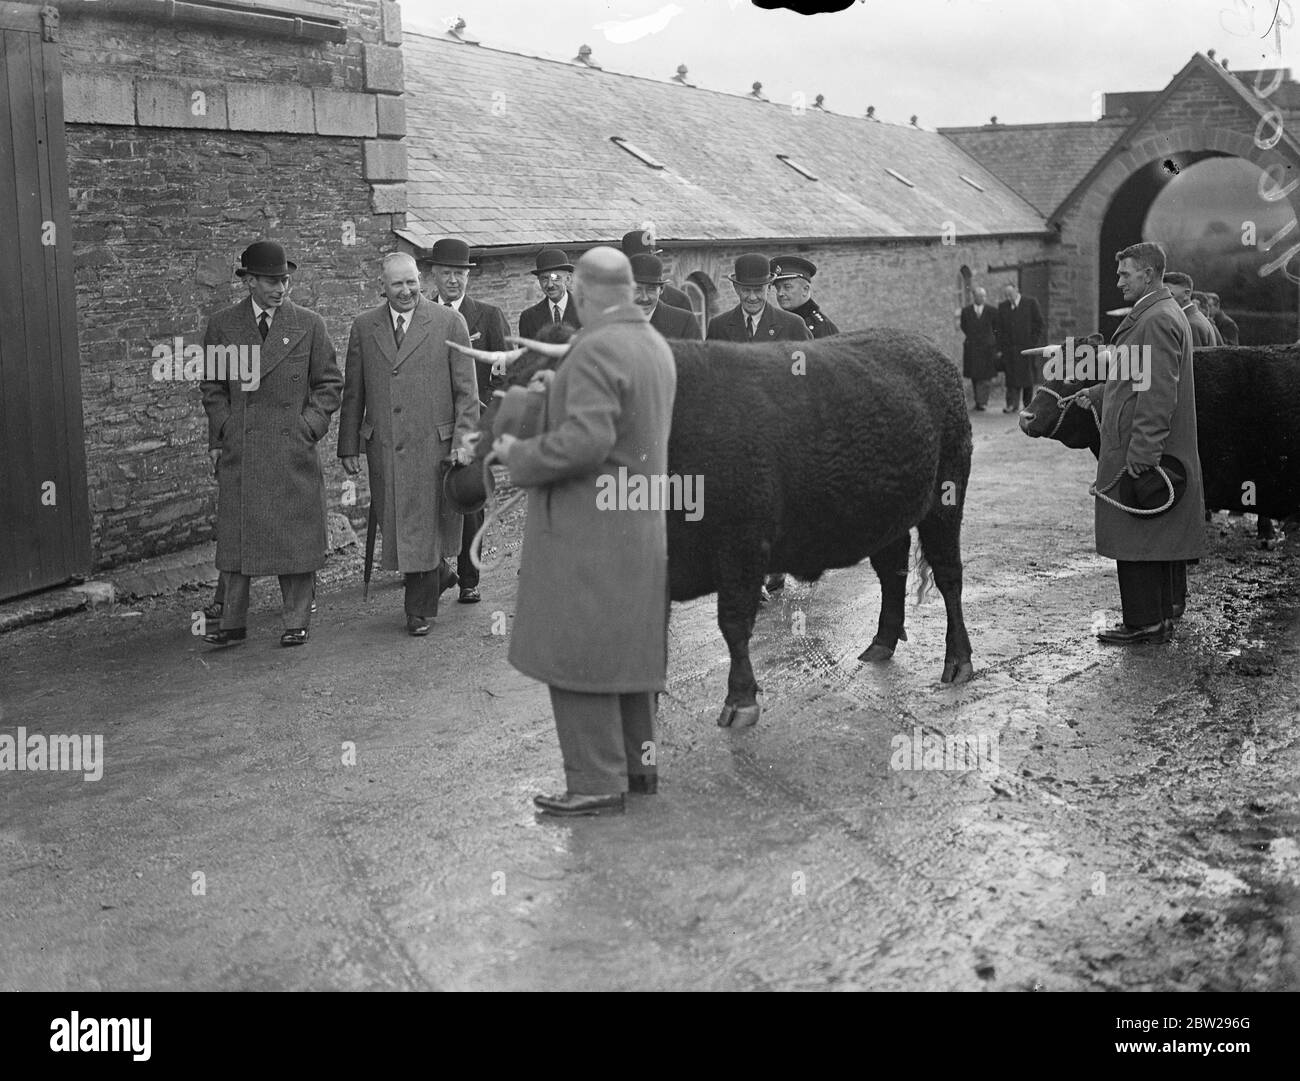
<point>1119,311</point>
<point>555,350</point>
<point>1041,351</point>
<point>508,357</point>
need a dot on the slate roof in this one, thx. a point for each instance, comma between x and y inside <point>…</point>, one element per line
<point>509,150</point>
<point>1043,162</point>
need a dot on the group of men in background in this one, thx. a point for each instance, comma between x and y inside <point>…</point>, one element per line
<point>994,342</point>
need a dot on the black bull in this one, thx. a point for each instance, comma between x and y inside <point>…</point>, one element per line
<point>812,458</point>
<point>1247,427</point>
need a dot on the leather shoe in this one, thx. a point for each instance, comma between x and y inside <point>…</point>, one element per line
<point>571,805</point>
<point>1010,410</point>
<point>447,579</point>
<point>417,626</point>
<point>1177,610</point>
<point>294,637</point>
<point>468,595</point>
<point>1121,634</point>
<point>226,638</point>
<point>643,784</point>
<point>775,583</point>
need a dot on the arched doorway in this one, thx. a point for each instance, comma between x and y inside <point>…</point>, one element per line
<point>703,294</point>
<point>1205,210</point>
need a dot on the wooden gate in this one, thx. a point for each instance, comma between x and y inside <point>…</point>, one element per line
<point>44,512</point>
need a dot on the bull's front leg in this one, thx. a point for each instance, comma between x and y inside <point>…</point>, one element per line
<point>740,581</point>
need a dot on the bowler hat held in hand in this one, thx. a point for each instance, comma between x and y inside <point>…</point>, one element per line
<point>1149,494</point>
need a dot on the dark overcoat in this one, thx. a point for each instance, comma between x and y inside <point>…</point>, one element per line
<point>1021,327</point>
<point>592,611</point>
<point>676,298</point>
<point>1138,426</point>
<point>675,322</point>
<point>774,325</point>
<point>1203,331</point>
<point>531,320</point>
<point>815,319</point>
<point>407,408</point>
<point>487,330</point>
<point>979,352</point>
<point>270,488</point>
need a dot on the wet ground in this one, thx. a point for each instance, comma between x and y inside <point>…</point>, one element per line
<point>357,813</point>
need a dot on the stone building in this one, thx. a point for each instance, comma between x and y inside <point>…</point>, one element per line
<point>180,130</point>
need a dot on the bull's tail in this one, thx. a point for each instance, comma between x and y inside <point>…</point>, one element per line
<point>924,575</point>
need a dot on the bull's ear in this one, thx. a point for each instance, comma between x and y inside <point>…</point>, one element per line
<point>554,350</point>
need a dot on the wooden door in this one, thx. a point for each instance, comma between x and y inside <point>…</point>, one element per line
<point>44,511</point>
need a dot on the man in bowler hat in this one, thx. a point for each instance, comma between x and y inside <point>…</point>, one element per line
<point>792,278</point>
<point>270,488</point>
<point>554,272</point>
<point>754,319</point>
<point>449,271</point>
<point>648,276</point>
<point>642,242</point>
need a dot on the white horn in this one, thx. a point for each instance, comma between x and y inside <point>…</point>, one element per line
<point>1119,311</point>
<point>547,349</point>
<point>1041,351</point>
<point>508,357</point>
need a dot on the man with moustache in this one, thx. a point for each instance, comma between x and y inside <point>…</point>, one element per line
<point>1138,426</point>
<point>792,278</point>
<point>270,488</point>
<point>648,276</point>
<point>450,267</point>
<point>554,273</point>
<point>592,613</point>
<point>754,319</point>
<point>410,399</point>
<point>641,242</point>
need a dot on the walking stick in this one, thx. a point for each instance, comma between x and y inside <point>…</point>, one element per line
<point>371,525</point>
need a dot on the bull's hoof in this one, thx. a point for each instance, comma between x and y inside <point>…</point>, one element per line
<point>957,672</point>
<point>739,716</point>
<point>877,651</point>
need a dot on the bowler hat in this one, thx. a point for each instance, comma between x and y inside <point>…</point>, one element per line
<point>1146,494</point>
<point>792,266</point>
<point>648,269</point>
<point>264,258</point>
<point>450,252</point>
<point>639,242</point>
<point>549,259</point>
<point>467,487</point>
<point>752,268</point>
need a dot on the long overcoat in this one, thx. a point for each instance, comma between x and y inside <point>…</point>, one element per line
<point>979,352</point>
<point>1139,426</point>
<point>1021,327</point>
<point>270,489</point>
<point>407,408</point>
<point>592,611</point>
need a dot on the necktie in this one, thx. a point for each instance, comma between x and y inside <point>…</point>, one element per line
<point>555,314</point>
<point>753,327</point>
<point>399,330</point>
<point>263,325</point>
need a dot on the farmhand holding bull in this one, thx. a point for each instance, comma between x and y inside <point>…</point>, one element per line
<point>263,436</point>
<point>592,612</point>
<point>410,400</point>
<point>1140,429</point>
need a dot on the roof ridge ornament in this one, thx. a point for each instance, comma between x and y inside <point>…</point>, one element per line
<point>757,92</point>
<point>584,58</point>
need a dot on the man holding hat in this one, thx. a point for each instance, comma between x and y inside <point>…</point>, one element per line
<point>270,488</point>
<point>792,276</point>
<point>487,330</point>
<point>553,273</point>
<point>410,400</point>
<point>648,276</point>
<point>641,242</point>
<point>754,319</point>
